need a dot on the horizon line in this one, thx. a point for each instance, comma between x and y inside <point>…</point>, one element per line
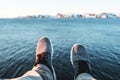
<point>116,13</point>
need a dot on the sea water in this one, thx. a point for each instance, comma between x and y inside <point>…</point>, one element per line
<point>100,37</point>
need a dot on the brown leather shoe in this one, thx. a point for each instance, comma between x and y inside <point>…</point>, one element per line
<point>44,53</point>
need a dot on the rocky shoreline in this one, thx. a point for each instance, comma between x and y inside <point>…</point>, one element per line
<point>85,15</point>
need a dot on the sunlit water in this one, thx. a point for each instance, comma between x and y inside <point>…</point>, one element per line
<point>101,38</point>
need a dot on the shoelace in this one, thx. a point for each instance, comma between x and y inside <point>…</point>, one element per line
<point>81,67</point>
<point>76,67</point>
<point>42,56</point>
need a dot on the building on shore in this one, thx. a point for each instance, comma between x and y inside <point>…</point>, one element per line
<point>42,16</point>
<point>89,15</point>
<point>79,16</point>
<point>76,16</point>
<point>111,15</point>
<point>118,15</point>
<point>103,15</point>
<point>37,16</point>
<point>59,15</point>
<point>107,15</point>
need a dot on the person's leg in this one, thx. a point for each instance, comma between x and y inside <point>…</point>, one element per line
<point>44,54</point>
<point>80,62</point>
<point>43,68</point>
<point>84,76</point>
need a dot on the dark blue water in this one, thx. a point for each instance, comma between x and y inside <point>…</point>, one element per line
<point>101,37</point>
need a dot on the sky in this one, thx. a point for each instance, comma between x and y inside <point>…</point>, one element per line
<point>14,8</point>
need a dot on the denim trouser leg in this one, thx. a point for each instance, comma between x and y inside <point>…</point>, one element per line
<point>85,76</point>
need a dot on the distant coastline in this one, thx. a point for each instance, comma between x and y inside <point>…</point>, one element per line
<point>85,15</point>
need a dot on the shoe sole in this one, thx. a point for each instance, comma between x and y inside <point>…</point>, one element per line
<point>54,74</point>
<point>71,55</point>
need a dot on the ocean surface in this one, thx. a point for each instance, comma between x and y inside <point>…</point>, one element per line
<point>100,37</point>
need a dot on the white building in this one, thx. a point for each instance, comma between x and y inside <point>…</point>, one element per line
<point>89,15</point>
<point>103,15</point>
<point>118,15</point>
